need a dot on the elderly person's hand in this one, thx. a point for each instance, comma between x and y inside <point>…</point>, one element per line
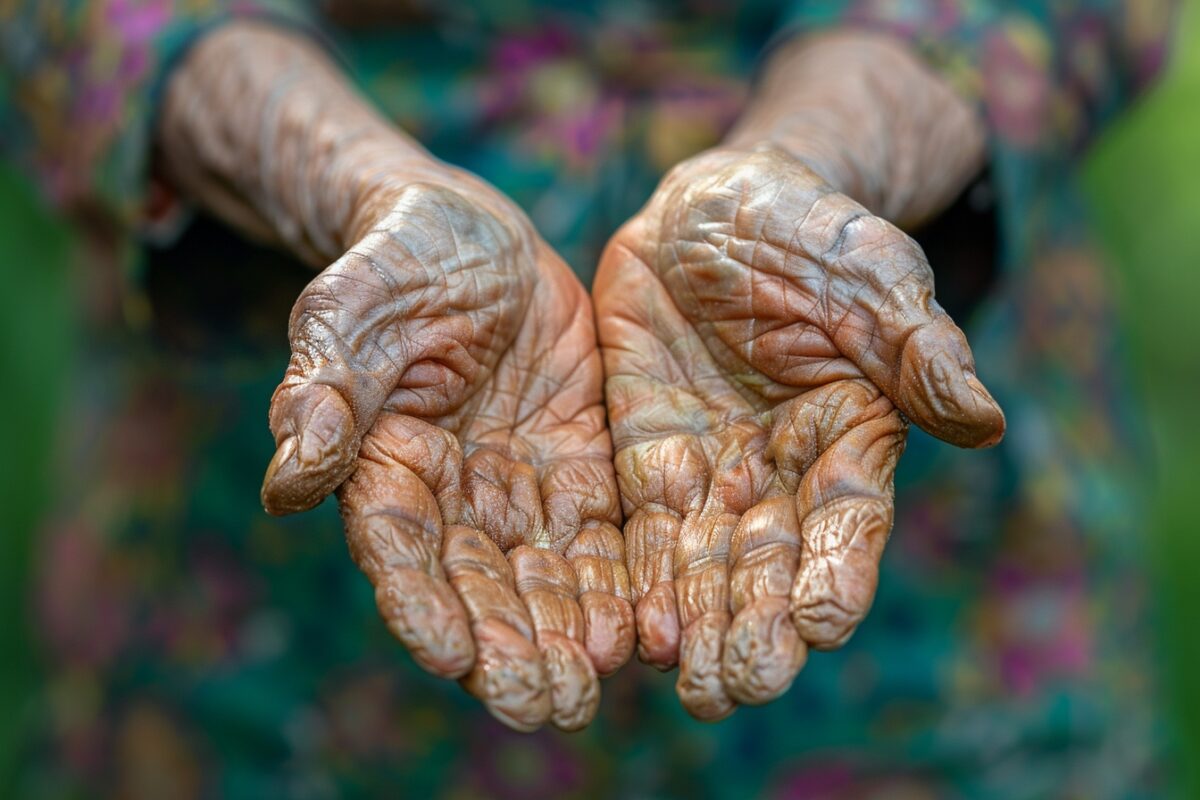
<point>764,337</point>
<point>444,379</point>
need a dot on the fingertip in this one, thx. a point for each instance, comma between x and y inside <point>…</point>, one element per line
<point>940,391</point>
<point>274,492</point>
<point>509,677</point>
<point>427,617</point>
<point>316,449</point>
<point>700,688</point>
<point>451,659</point>
<point>989,417</point>
<point>574,686</point>
<point>839,569</point>
<point>763,652</point>
<point>658,628</point>
<point>824,622</point>
<point>609,631</point>
<point>291,486</point>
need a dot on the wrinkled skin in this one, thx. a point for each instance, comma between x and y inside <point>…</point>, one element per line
<point>761,336</point>
<point>445,376</point>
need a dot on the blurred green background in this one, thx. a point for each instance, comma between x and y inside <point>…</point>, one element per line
<point>1143,179</point>
<point>1144,183</point>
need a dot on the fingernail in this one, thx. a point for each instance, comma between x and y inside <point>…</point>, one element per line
<point>275,475</point>
<point>988,411</point>
<point>306,469</point>
<point>298,479</point>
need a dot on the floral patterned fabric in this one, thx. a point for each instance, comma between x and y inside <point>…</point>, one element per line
<point>194,646</point>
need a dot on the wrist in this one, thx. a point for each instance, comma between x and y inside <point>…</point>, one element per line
<point>260,128</point>
<point>867,115</point>
<point>360,183</point>
<point>823,141</point>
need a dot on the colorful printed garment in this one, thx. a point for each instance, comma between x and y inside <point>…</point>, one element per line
<point>196,647</point>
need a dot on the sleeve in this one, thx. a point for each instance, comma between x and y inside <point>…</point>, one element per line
<point>1049,73</point>
<point>79,81</point>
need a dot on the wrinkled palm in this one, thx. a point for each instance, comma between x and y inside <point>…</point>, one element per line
<point>445,376</point>
<point>761,336</point>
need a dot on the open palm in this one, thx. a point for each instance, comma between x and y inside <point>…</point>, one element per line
<point>445,376</point>
<point>761,336</point>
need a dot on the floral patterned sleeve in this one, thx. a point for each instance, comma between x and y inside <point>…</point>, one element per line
<point>1049,73</point>
<point>79,81</point>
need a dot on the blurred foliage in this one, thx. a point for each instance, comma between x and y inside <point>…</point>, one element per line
<point>1144,183</point>
<point>36,332</point>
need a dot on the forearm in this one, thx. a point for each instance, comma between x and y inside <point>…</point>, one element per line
<point>866,114</point>
<point>261,128</point>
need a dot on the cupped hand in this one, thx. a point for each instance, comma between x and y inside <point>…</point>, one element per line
<point>445,381</point>
<point>764,339</point>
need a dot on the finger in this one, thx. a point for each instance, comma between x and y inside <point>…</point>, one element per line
<point>315,446</point>
<point>663,389</point>
<point>504,497</point>
<point>506,502</point>
<point>508,675</point>
<point>581,505</point>
<point>767,545</point>
<point>763,651</point>
<point>394,531</point>
<point>661,480</point>
<point>843,502</point>
<point>598,557</point>
<point>867,285</point>
<point>339,375</point>
<point>895,331</point>
<point>702,596</point>
<point>547,586</point>
<point>650,537</point>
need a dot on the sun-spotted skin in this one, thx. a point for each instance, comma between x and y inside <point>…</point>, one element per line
<point>762,334</point>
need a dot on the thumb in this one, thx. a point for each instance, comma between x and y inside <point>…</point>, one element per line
<point>938,389</point>
<point>900,337</point>
<point>316,442</point>
<point>338,378</point>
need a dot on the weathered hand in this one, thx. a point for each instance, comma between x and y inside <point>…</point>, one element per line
<point>445,376</point>
<point>761,336</point>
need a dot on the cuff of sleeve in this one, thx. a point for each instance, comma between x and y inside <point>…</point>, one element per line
<point>120,180</point>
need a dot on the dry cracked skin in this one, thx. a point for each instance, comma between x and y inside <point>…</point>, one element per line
<point>762,337</point>
<point>445,381</point>
<point>765,339</point>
